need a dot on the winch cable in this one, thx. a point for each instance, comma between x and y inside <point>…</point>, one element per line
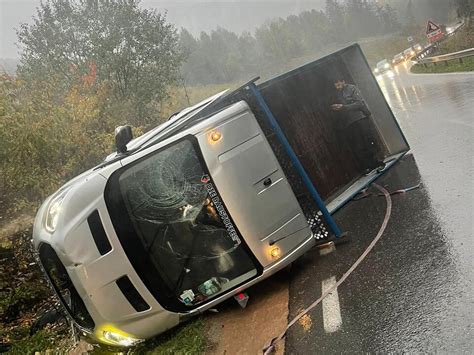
<point>270,346</point>
<point>365,194</point>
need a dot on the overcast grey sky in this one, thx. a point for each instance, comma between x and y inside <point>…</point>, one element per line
<point>194,15</point>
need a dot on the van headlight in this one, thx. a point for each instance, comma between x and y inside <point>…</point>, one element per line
<point>119,339</point>
<point>376,70</point>
<point>53,210</point>
<point>386,66</point>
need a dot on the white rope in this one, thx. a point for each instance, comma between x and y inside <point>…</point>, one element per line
<point>269,347</point>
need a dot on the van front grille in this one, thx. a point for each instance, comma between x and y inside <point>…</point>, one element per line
<point>64,288</point>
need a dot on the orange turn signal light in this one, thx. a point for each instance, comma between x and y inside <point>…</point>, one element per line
<point>275,252</point>
<point>215,136</point>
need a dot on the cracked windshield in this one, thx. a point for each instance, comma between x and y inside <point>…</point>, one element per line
<point>182,224</point>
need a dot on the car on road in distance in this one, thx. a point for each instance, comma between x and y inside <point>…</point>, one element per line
<point>409,53</point>
<point>398,59</point>
<point>418,48</point>
<point>382,67</point>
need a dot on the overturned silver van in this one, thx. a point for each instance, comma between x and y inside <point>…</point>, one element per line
<point>221,196</point>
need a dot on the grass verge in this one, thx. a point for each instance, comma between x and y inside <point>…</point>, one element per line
<point>188,338</point>
<point>453,66</point>
<point>25,297</point>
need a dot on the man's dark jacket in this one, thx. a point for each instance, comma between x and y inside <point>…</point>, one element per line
<point>354,107</point>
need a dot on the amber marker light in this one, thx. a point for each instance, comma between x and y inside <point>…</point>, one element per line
<point>215,136</point>
<point>275,252</point>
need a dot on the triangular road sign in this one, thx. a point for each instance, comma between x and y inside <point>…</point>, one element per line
<point>432,27</point>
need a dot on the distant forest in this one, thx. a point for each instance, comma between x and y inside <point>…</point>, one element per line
<point>222,56</point>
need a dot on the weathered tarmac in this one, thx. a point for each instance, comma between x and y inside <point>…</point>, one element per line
<point>415,291</point>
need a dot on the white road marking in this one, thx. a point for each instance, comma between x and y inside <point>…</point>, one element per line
<point>331,311</point>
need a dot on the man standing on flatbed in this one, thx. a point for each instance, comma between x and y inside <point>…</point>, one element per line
<point>361,132</point>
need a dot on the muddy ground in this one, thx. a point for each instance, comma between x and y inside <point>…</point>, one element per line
<point>31,318</point>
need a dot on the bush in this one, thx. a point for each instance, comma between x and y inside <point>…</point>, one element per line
<point>463,39</point>
<point>48,135</point>
<point>132,49</point>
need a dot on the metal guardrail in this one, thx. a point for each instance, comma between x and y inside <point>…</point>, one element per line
<point>427,50</point>
<point>447,57</point>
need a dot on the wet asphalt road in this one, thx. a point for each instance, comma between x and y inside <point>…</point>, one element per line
<point>415,291</point>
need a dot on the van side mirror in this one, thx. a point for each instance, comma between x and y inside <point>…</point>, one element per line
<point>123,135</point>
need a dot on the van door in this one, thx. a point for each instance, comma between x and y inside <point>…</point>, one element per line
<point>252,184</point>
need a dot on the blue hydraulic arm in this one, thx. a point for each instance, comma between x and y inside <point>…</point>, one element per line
<point>297,164</point>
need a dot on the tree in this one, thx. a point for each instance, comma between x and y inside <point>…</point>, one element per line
<point>335,13</point>
<point>410,21</point>
<point>47,137</point>
<point>361,18</point>
<point>315,30</point>
<point>388,18</point>
<point>132,50</point>
<point>464,8</point>
<point>392,17</point>
<point>222,56</point>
